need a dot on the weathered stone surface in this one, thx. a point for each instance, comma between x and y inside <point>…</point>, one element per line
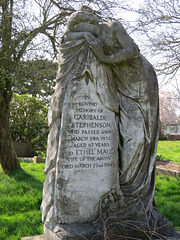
<point>88,154</point>
<point>167,172</point>
<point>38,159</point>
<point>103,120</point>
<point>77,233</point>
<point>87,162</point>
<point>73,231</point>
<point>39,237</point>
<point>174,136</point>
<point>171,128</point>
<point>176,235</point>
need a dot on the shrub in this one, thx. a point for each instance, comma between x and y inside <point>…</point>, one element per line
<point>28,120</point>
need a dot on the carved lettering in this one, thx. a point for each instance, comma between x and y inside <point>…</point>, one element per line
<point>88,137</point>
<point>84,110</point>
<point>85,152</point>
<point>105,151</point>
<point>90,125</point>
<point>88,104</point>
<point>89,117</point>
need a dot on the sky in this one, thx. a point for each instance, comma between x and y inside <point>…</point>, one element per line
<point>132,17</point>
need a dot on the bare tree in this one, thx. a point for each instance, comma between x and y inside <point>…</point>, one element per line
<point>21,22</point>
<point>158,28</point>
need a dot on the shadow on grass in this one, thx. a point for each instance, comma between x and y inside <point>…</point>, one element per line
<point>21,197</point>
<point>21,225</point>
<point>22,176</point>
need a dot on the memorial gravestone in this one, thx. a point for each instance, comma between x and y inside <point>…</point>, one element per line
<point>103,136</point>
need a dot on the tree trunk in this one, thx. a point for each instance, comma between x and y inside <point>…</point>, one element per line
<point>8,157</point>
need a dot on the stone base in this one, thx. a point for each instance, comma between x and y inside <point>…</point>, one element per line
<point>42,237</point>
<point>176,235</point>
<point>39,237</point>
<point>38,159</point>
<point>74,231</point>
<point>86,231</point>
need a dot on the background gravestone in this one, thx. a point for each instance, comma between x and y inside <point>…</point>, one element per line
<point>24,149</point>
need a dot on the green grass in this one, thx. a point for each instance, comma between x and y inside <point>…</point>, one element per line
<point>21,196</point>
<point>169,150</point>
<point>167,196</point>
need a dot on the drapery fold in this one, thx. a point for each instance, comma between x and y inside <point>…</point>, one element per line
<point>130,90</point>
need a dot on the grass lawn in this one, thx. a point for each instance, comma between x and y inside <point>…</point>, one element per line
<point>21,196</point>
<point>167,196</point>
<point>169,150</point>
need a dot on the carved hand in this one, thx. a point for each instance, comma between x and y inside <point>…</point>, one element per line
<point>96,45</point>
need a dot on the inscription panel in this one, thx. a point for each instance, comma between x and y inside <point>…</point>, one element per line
<point>89,134</point>
<point>88,151</point>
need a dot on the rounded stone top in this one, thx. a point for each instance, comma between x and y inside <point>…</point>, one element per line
<point>85,14</point>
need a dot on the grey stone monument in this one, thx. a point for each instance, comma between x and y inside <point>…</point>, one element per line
<point>103,119</point>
